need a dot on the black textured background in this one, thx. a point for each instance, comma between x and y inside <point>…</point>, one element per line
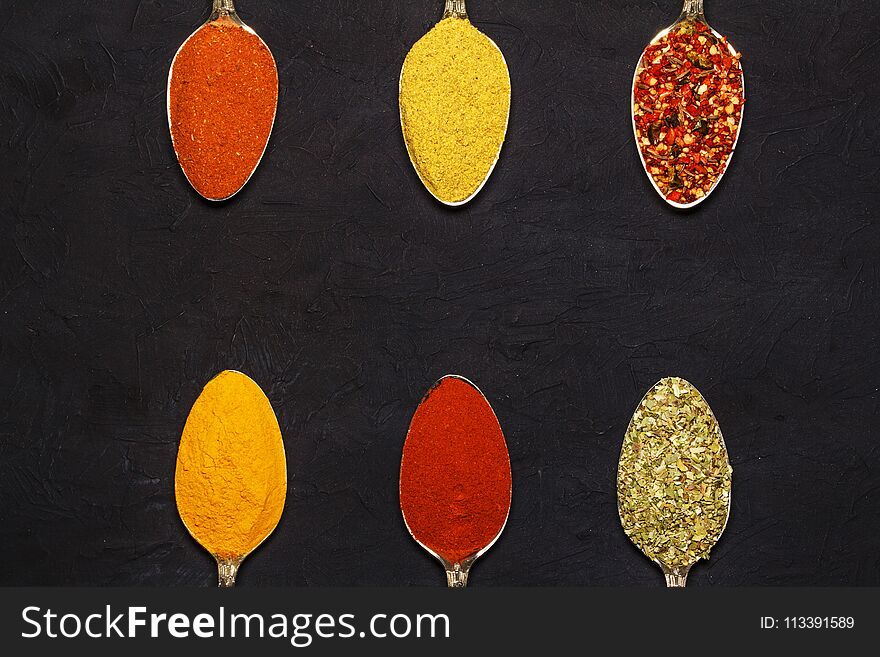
<point>565,290</point>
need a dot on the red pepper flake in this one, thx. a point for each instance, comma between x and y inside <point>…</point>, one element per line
<point>688,92</point>
<point>222,97</point>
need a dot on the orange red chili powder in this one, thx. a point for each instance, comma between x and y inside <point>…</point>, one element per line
<point>222,97</point>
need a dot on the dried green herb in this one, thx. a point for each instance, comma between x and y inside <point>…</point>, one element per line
<point>674,477</point>
<point>688,27</point>
<point>699,60</point>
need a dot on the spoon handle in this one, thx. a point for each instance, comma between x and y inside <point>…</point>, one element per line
<point>676,577</point>
<point>227,569</point>
<point>223,9</point>
<point>455,9</point>
<point>693,10</point>
<point>456,578</point>
<point>457,573</point>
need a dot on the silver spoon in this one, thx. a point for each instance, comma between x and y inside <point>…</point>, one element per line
<point>199,484</point>
<point>456,571</point>
<point>673,456</point>
<point>455,9</point>
<point>691,12</point>
<point>223,11</point>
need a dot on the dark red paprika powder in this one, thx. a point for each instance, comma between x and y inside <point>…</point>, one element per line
<point>222,98</point>
<point>455,480</point>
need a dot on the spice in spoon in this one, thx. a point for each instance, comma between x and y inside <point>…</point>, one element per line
<point>687,105</point>
<point>231,478</point>
<point>454,106</point>
<point>222,98</point>
<point>674,477</point>
<point>455,480</point>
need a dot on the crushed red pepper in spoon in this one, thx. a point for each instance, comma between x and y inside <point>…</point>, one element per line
<point>687,108</point>
<point>222,98</point>
<point>455,480</point>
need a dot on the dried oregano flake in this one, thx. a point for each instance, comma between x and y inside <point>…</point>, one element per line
<point>674,477</point>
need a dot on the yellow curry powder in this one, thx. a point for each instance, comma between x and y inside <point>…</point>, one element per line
<point>231,478</point>
<point>454,106</point>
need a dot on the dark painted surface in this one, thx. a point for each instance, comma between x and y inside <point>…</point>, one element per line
<point>564,291</point>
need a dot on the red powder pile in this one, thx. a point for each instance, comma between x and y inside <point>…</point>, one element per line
<point>222,97</point>
<point>455,481</point>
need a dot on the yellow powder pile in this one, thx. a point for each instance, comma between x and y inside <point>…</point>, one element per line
<point>454,106</point>
<point>231,478</point>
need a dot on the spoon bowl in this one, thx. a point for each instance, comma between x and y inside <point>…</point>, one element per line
<point>691,12</point>
<point>454,9</point>
<point>223,15</point>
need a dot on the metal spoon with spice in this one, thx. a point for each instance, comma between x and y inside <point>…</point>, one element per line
<point>222,101</point>
<point>455,479</point>
<point>687,105</point>
<point>454,106</point>
<point>674,478</point>
<point>231,477</point>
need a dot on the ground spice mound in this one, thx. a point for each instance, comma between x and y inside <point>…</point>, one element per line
<point>688,95</point>
<point>674,477</point>
<point>454,106</point>
<point>231,478</point>
<point>222,98</point>
<point>455,481</point>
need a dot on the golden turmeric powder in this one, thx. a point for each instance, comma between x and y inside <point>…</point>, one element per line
<point>231,478</point>
<point>454,107</point>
